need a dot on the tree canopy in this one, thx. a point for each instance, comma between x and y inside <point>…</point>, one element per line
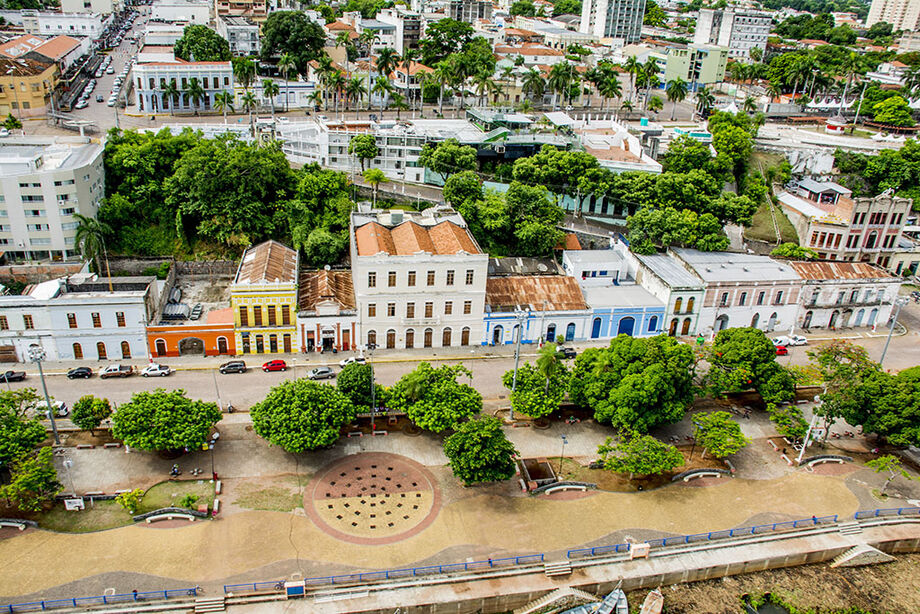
<point>793,251</point>
<point>433,398</point>
<point>293,33</point>
<point>442,38</point>
<point>19,435</point>
<point>364,147</point>
<point>638,454</point>
<point>636,383</point>
<point>448,157</point>
<point>89,412</point>
<point>354,381</point>
<point>199,43</point>
<point>162,420</point>
<point>894,169</point>
<point>301,415</point>
<point>745,359</point>
<point>33,482</point>
<point>537,394</point>
<point>886,404</point>
<point>718,433</point>
<point>480,452</point>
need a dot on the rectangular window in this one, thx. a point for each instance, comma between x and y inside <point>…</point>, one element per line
<point>429,309</point>
<point>410,310</point>
<point>467,307</point>
<point>257,315</point>
<point>469,277</point>
<point>430,278</point>
<point>372,310</point>
<point>72,320</point>
<point>4,325</point>
<point>271,315</point>
<point>448,307</point>
<point>779,298</point>
<point>372,280</point>
<point>97,321</point>
<point>285,315</point>
<point>760,298</point>
<point>27,322</point>
<point>244,316</point>
<point>391,279</point>
<point>120,318</point>
<point>724,301</point>
<point>450,278</point>
<point>743,299</point>
<point>411,280</point>
<point>391,310</point>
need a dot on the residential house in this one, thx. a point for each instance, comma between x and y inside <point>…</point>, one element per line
<point>681,291</point>
<point>26,86</point>
<point>543,306</point>
<point>257,10</point>
<point>263,297</point>
<point>326,313</point>
<point>213,335</point>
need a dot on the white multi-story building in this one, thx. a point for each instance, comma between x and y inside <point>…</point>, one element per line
<point>71,24</point>
<point>161,34</point>
<point>419,279</point>
<point>738,29</point>
<point>151,79</point>
<point>620,20</point>
<point>82,317</point>
<point>105,7</point>
<point>242,33</point>
<point>408,26</point>
<point>679,289</point>
<point>43,183</point>
<point>901,14</point>
<point>469,11</point>
<point>182,11</point>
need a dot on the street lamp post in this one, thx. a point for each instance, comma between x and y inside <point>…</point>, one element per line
<point>220,405</point>
<point>521,317</point>
<point>562,457</point>
<point>899,302</point>
<point>68,463</point>
<point>37,355</point>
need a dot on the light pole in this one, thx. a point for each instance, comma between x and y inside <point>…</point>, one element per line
<point>68,463</point>
<point>37,355</point>
<point>220,405</point>
<point>899,302</point>
<point>521,317</point>
<point>370,352</point>
<point>562,457</point>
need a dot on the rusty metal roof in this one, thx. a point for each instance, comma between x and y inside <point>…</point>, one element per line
<point>268,263</point>
<point>410,238</point>
<point>839,270</point>
<point>318,286</point>
<point>537,292</point>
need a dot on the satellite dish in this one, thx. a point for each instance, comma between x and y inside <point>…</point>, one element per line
<point>541,267</point>
<point>327,268</point>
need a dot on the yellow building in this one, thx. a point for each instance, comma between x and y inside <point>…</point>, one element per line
<point>26,86</point>
<point>263,297</point>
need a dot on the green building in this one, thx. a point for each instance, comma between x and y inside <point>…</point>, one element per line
<point>696,64</point>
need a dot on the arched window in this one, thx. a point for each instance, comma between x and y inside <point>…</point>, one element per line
<point>672,330</point>
<point>445,338</point>
<point>410,339</point>
<point>690,302</point>
<point>653,324</point>
<point>465,336</point>
<point>626,326</point>
<point>755,320</point>
<point>771,325</point>
<point>570,331</point>
<point>273,343</point>
<point>551,333</point>
<point>685,329</point>
<point>391,339</point>
<point>371,338</point>
<point>286,341</point>
<point>160,347</point>
<point>429,335</point>
<point>678,304</point>
<point>872,238</point>
<point>125,350</point>
<point>721,322</point>
<point>221,346</point>
<point>806,322</point>
<point>498,335</point>
<point>596,328</point>
<point>100,351</point>
<point>77,351</point>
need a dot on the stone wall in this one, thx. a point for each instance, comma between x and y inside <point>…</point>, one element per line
<point>35,273</point>
<point>136,266</point>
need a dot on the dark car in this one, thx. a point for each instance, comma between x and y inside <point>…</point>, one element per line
<point>234,366</point>
<point>566,353</point>
<point>84,372</point>
<point>275,365</point>
<point>321,373</point>
<point>12,376</point>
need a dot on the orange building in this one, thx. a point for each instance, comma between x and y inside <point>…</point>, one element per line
<point>211,336</point>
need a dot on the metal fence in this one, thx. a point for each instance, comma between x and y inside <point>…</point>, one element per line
<point>76,602</point>
<point>891,511</point>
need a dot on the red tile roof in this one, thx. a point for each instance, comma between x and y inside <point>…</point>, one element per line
<point>410,238</point>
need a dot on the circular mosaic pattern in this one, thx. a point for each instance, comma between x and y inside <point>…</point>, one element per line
<point>373,498</point>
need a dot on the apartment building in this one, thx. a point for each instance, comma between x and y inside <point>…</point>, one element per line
<point>408,26</point>
<point>83,317</point>
<point>829,220</point>
<point>26,86</point>
<point>43,183</point>
<point>696,64</point>
<point>151,78</point>
<point>419,278</point>
<point>72,24</point>
<point>743,290</point>
<point>469,11</point>
<point>263,297</point>
<point>242,33</point>
<point>182,11</point>
<point>104,7</point>
<point>257,10</point>
<point>901,14</point>
<point>620,20</point>
<point>740,30</point>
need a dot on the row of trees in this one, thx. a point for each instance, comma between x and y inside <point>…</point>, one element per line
<point>890,169</point>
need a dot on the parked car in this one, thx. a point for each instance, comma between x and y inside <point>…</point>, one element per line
<point>275,365</point>
<point>84,372</point>
<point>782,350</point>
<point>566,353</point>
<point>117,371</point>
<point>352,359</point>
<point>112,102</point>
<point>321,373</point>
<point>156,370</point>
<point>99,98</point>
<point>788,340</point>
<point>12,376</point>
<point>110,70</point>
<point>81,104</point>
<point>60,409</point>
<point>234,366</point>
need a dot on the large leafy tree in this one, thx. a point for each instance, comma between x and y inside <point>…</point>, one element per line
<point>162,420</point>
<point>638,454</point>
<point>33,482</point>
<point>90,238</point>
<point>844,367</point>
<point>442,38</point>
<point>18,435</point>
<point>364,147</point>
<point>536,394</point>
<point>292,33</point>
<point>354,381</point>
<point>433,398</point>
<point>718,433</point>
<point>650,228</point>
<point>635,384</point>
<point>89,412</point>
<point>301,415</point>
<point>745,359</point>
<point>890,406</point>
<point>200,43</point>
<point>480,452</point>
<point>893,111</point>
<point>448,157</point>
<point>320,203</point>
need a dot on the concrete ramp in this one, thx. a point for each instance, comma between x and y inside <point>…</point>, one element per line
<point>860,555</point>
<point>565,596</point>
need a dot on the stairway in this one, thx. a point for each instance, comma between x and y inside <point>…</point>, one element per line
<point>555,596</point>
<point>559,568</point>
<point>850,528</point>
<point>212,604</point>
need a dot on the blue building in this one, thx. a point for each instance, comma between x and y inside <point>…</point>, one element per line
<point>624,309</point>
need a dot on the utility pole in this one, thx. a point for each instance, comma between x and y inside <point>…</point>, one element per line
<point>899,302</point>
<point>521,317</point>
<point>37,355</point>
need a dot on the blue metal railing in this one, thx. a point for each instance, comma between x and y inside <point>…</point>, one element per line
<point>76,602</point>
<point>891,511</point>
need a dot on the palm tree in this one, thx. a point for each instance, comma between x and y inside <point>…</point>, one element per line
<point>633,67</point>
<point>387,61</point>
<point>342,40</point>
<point>676,91</point>
<point>704,100</point>
<point>626,104</point>
<point>248,101</point>
<point>270,89</point>
<point>547,363</point>
<point>375,177</point>
<point>90,237</point>
<point>171,92</point>
<point>223,101</point>
<point>244,70</point>
<point>655,105</point>
<point>409,56</point>
<point>336,83</point>
<point>368,38</point>
<point>382,88</point>
<point>749,105</point>
<point>355,90</point>
<point>325,71</point>
<point>399,103</point>
<point>484,86</point>
<point>534,85</point>
<point>316,98</point>
<point>286,64</point>
<point>774,89</point>
<point>649,78</point>
<point>195,92</point>
<point>560,77</point>
<point>849,68</point>
<point>442,76</point>
<point>610,88</point>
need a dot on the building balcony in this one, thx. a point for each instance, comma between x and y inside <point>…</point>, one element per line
<point>846,304</point>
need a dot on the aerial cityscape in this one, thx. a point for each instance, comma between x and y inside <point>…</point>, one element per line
<point>468,306</point>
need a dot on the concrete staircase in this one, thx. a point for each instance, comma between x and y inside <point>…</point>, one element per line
<point>212,604</point>
<point>861,555</point>
<point>572,595</point>
<point>559,568</point>
<point>850,528</point>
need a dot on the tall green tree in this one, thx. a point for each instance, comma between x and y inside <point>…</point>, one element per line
<point>19,434</point>
<point>161,420</point>
<point>891,464</point>
<point>364,148</point>
<point>89,412</point>
<point>270,89</point>
<point>291,32</point>
<point>33,482</point>
<point>286,65</point>
<point>480,452</point>
<point>448,157</point>
<point>676,90</point>
<point>90,238</point>
<point>638,454</point>
<point>433,398</point>
<point>200,43</point>
<point>301,415</point>
<point>223,102</point>
<point>745,359</point>
<point>718,434</point>
<point>195,93</point>
<point>844,368</point>
<point>354,381</point>
<point>536,394</point>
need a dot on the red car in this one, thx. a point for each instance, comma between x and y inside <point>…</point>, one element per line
<point>781,350</point>
<point>275,365</point>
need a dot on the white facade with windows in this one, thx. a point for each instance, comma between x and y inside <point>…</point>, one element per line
<point>44,182</point>
<point>151,80</point>
<point>242,33</point>
<point>839,295</point>
<point>80,319</point>
<point>182,11</point>
<point>71,24</point>
<point>676,287</point>
<point>620,20</point>
<point>738,29</point>
<point>419,279</point>
<point>105,7</point>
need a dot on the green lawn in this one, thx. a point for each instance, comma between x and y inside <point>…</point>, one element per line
<point>170,493</point>
<point>761,228</point>
<point>96,517</point>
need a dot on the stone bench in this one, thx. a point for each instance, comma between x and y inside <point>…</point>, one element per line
<point>13,525</point>
<point>703,474</point>
<point>818,461</point>
<point>563,488</point>
<point>159,517</point>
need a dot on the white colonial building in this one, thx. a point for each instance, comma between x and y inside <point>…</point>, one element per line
<point>151,79</point>
<point>419,278</point>
<point>82,317</point>
<point>679,289</point>
<point>72,24</point>
<point>326,314</point>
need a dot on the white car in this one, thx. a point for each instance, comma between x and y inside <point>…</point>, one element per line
<point>155,370</point>
<point>787,340</point>
<point>111,102</point>
<point>81,104</point>
<point>352,359</point>
<point>60,409</point>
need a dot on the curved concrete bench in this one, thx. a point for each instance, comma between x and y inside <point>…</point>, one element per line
<point>563,488</point>
<point>188,517</point>
<point>702,474</point>
<point>818,461</point>
<point>13,525</point>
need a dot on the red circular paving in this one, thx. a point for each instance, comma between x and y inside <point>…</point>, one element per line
<point>373,498</point>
